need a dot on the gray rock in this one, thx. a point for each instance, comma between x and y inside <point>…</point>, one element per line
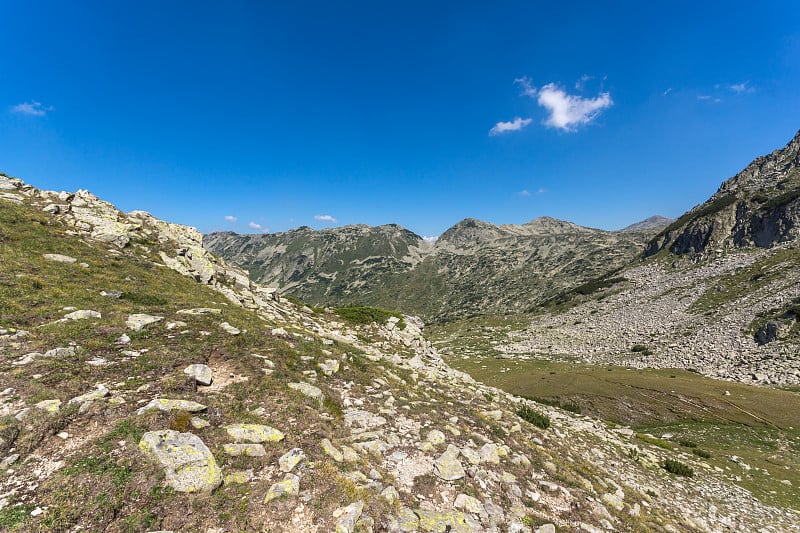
<point>60,258</point>
<point>229,329</point>
<point>309,390</point>
<point>164,404</point>
<point>288,487</point>
<point>201,373</point>
<point>82,315</point>
<point>100,392</point>
<point>139,320</point>
<point>254,433</point>
<point>348,517</point>
<point>245,449</point>
<point>186,460</point>
<point>290,459</point>
<point>447,466</point>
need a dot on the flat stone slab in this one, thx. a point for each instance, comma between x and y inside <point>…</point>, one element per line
<point>332,451</point>
<point>200,311</point>
<point>201,373</point>
<point>138,321</point>
<point>59,258</point>
<point>229,329</point>
<point>309,390</point>
<point>100,392</point>
<point>164,404</point>
<point>363,419</point>
<point>452,522</point>
<point>186,460</point>
<point>256,433</point>
<point>82,314</point>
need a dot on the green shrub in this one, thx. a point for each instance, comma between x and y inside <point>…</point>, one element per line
<point>362,314</point>
<point>678,468</point>
<point>642,349</point>
<point>534,417</point>
<point>701,453</point>
<point>687,443</point>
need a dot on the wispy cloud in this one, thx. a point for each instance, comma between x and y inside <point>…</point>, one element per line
<point>505,127</point>
<point>581,83</point>
<point>33,108</point>
<point>709,98</point>
<point>431,239</point>
<point>524,192</point>
<point>743,87</point>
<point>325,218</point>
<point>230,218</point>
<point>667,91</point>
<point>257,226</point>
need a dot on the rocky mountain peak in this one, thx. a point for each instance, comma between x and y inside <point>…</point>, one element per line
<point>759,207</point>
<point>653,223</point>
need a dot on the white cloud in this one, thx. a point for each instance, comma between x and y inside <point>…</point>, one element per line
<point>708,98</point>
<point>259,227</point>
<point>325,218</point>
<point>740,88</point>
<point>524,192</point>
<point>431,239</point>
<point>32,108</point>
<point>230,218</point>
<point>666,92</point>
<point>504,127</point>
<point>541,190</point>
<point>568,111</point>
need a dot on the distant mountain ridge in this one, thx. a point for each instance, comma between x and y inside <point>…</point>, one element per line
<point>474,267</point>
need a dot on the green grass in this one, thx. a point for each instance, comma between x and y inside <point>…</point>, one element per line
<point>14,517</point>
<point>655,441</point>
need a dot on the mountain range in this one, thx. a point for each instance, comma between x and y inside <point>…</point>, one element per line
<point>474,267</point>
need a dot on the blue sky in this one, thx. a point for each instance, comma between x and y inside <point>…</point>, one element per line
<point>281,114</point>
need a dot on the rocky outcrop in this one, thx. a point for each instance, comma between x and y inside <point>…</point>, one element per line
<point>759,207</point>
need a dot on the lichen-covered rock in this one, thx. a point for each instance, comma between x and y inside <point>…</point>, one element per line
<point>290,459</point>
<point>447,522</point>
<point>186,460</point>
<point>201,373</point>
<point>332,451</point>
<point>436,437</point>
<point>50,406</point>
<point>256,433</point>
<point>137,321</point>
<point>447,466</point>
<point>363,419</point>
<point>288,487</point>
<point>100,392</point>
<point>229,329</point>
<point>246,449</point>
<point>164,404</point>
<point>469,504</point>
<point>309,390</point>
<point>348,517</point>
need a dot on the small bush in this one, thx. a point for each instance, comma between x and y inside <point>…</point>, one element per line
<point>678,468</point>
<point>362,314</point>
<point>642,349</point>
<point>701,453</point>
<point>687,443</point>
<point>534,417</point>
